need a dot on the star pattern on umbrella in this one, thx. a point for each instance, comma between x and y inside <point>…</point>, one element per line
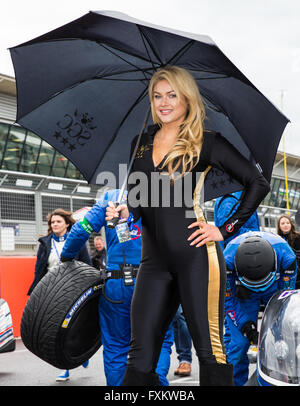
<point>72,147</point>
<point>57,134</point>
<point>76,126</point>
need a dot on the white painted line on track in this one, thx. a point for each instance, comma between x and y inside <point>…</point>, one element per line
<point>184,380</point>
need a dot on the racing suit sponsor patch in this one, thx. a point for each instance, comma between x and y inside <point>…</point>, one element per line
<point>86,226</point>
<point>230,227</point>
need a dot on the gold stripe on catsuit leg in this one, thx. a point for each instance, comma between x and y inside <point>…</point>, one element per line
<point>213,281</point>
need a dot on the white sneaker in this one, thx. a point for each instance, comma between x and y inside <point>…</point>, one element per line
<point>64,376</point>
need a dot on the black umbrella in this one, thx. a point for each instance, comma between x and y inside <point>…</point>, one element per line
<point>83,89</point>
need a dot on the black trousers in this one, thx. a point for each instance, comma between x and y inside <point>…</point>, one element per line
<point>165,282</point>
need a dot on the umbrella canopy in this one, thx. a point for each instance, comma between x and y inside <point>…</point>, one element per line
<point>83,89</point>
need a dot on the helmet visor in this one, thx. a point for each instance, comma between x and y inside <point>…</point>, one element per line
<point>279,340</point>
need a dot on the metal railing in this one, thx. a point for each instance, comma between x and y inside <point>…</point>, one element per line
<point>25,201</point>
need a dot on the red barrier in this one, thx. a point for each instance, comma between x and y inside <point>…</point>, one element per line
<point>16,276</point>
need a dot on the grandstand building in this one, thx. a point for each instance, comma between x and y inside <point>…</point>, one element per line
<point>35,179</point>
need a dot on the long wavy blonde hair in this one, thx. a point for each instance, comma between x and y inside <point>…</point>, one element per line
<point>186,150</point>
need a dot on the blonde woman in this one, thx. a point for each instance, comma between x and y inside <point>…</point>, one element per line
<point>181,263</point>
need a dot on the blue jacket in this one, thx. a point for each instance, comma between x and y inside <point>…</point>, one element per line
<point>93,221</point>
<point>224,207</point>
<point>286,272</point>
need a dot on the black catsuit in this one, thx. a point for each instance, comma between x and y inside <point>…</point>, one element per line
<point>174,272</point>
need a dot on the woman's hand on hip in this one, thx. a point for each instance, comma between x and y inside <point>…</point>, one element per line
<point>205,233</point>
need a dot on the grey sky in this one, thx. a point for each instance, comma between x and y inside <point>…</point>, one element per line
<point>261,37</point>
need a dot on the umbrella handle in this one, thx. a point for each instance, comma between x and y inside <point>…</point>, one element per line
<point>114,221</point>
<point>133,155</point>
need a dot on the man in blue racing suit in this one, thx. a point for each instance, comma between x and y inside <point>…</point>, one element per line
<point>123,260</point>
<point>258,265</point>
<point>224,207</point>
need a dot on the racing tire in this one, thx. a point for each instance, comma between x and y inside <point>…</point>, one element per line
<point>60,322</point>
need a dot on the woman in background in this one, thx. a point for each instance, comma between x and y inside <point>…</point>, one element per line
<point>286,229</point>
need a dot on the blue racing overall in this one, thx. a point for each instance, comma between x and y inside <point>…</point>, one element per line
<point>238,311</point>
<point>224,207</point>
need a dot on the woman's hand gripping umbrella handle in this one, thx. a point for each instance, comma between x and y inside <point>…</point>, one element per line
<point>115,212</point>
<point>111,223</point>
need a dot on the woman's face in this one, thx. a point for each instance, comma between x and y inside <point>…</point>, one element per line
<point>58,225</point>
<point>285,225</point>
<point>166,104</point>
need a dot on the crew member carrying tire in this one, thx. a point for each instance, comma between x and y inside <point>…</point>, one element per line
<point>123,260</point>
<point>60,223</point>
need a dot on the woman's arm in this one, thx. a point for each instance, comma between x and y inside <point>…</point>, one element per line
<point>219,153</point>
<point>226,157</point>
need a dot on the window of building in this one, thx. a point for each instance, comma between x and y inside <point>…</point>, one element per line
<point>3,139</point>
<point>14,148</point>
<point>24,151</point>
<point>45,161</point>
<point>30,153</point>
<point>295,193</point>
<point>274,193</point>
<point>59,165</point>
<point>73,172</point>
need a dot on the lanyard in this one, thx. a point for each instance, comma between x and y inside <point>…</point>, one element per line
<point>54,245</point>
